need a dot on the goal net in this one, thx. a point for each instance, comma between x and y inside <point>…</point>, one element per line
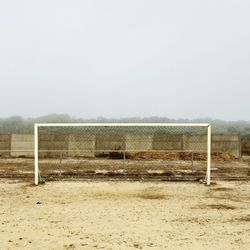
<point>163,151</point>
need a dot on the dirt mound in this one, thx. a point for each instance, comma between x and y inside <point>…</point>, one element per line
<point>180,156</point>
<point>223,156</point>
<point>155,155</point>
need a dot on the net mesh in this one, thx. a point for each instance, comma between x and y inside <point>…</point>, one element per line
<point>122,151</point>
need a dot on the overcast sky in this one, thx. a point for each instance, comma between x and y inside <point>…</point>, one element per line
<point>178,59</point>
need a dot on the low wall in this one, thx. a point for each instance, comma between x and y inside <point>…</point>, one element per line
<point>230,143</point>
<point>5,144</point>
<point>139,142</point>
<point>196,143</point>
<point>245,147</point>
<point>53,145</point>
<point>109,142</point>
<point>167,142</point>
<point>81,146</point>
<point>22,145</point>
<point>18,145</point>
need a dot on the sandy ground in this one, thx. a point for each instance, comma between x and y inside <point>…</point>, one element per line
<point>124,215</point>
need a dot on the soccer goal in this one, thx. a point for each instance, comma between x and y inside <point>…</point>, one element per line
<point>173,151</point>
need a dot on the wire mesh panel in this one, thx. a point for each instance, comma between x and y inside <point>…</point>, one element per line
<point>127,151</point>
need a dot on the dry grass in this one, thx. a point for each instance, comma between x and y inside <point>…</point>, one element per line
<point>145,193</point>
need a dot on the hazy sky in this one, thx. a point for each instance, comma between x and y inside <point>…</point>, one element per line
<point>179,59</point>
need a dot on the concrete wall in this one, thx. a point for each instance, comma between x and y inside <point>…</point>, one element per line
<point>81,146</point>
<point>245,147</point>
<point>227,143</point>
<point>52,145</point>
<point>196,143</point>
<point>5,142</point>
<point>139,142</point>
<point>17,145</point>
<point>230,143</point>
<point>167,142</point>
<point>110,142</point>
<point>22,145</point>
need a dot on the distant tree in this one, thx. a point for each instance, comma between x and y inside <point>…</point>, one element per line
<point>17,124</point>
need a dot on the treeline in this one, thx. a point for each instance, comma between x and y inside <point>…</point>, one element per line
<point>18,124</point>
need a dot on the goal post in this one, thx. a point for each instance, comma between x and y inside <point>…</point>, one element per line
<point>137,140</point>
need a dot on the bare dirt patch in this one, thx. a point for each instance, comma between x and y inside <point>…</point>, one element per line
<point>152,196</point>
<point>215,206</point>
<point>228,194</point>
<point>244,218</point>
<point>222,189</point>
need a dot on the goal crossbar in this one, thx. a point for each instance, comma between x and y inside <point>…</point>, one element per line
<point>122,124</point>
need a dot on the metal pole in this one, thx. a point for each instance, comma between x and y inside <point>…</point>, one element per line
<point>192,161</point>
<point>36,154</point>
<point>208,154</point>
<point>60,165</point>
<point>124,158</point>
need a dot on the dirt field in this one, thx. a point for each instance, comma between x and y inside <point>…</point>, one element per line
<point>124,215</point>
<point>51,169</point>
<point>143,169</point>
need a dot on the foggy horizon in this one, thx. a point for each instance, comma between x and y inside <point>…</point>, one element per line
<point>112,59</point>
<point>146,118</point>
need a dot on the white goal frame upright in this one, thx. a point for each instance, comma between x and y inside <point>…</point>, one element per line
<point>39,125</point>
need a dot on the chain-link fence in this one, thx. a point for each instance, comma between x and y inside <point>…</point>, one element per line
<point>165,153</point>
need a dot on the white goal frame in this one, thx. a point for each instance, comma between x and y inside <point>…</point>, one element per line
<point>207,125</point>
